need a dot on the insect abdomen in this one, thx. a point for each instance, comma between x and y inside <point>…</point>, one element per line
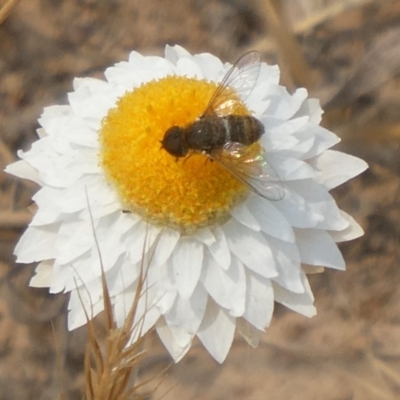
<point>210,133</point>
<point>243,129</point>
<point>206,134</point>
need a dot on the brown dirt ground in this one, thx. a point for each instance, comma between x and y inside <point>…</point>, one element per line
<point>351,350</point>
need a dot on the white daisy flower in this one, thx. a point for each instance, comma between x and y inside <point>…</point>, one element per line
<point>221,254</point>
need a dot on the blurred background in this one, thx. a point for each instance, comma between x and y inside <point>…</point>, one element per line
<point>345,52</point>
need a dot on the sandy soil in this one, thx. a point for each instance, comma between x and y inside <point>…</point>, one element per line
<point>351,350</point>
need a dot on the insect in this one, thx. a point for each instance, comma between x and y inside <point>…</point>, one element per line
<point>226,137</point>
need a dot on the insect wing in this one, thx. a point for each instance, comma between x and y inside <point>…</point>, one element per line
<point>251,167</point>
<point>236,86</point>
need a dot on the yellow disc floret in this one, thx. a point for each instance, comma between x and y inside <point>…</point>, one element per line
<point>186,194</point>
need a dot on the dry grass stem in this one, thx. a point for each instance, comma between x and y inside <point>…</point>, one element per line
<point>382,373</point>
<point>381,392</point>
<point>309,22</point>
<point>5,154</point>
<point>388,372</point>
<point>59,362</point>
<point>6,9</point>
<point>293,60</point>
<point>14,219</point>
<point>109,366</point>
<point>380,65</point>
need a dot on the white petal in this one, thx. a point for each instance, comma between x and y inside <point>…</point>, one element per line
<point>251,248</point>
<point>74,238</point>
<point>167,276</point>
<point>208,64</point>
<point>319,205</point>
<point>177,352</point>
<point>55,111</point>
<point>122,275</point>
<point>65,127</point>
<point>220,249</point>
<point>275,125</point>
<point>91,84</point>
<point>185,316</point>
<point>205,236</point>
<point>126,221</point>
<point>138,70</point>
<point>145,319</point>
<point>256,101</point>
<point>284,105</point>
<point>122,221</point>
<point>269,73</point>
<point>165,246</point>
<point>146,313</point>
<point>81,134</point>
<point>188,67</point>
<point>242,214</point>
<point>37,244</point>
<point>87,267</point>
<point>48,211</point>
<point>140,238</point>
<point>274,143</point>
<point>317,247</point>
<point>109,242</point>
<point>22,169</point>
<point>312,108</point>
<point>83,306</point>
<point>249,332</point>
<point>270,219</point>
<point>299,302</point>
<point>91,99</point>
<point>259,301</point>
<point>43,274</point>
<point>288,168</point>
<point>90,191</point>
<point>123,76</point>
<point>278,130</point>
<point>335,168</point>
<point>353,231</point>
<point>45,216</point>
<point>323,140</point>
<point>174,53</point>
<point>288,265</point>
<point>301,143</point>
<point>187,261</point>
<point>45,161</point>
<point>68,277</point>
<point>227,288</point>
<point>296,210</point>
<point>166,301</point>
<point>216,331</point>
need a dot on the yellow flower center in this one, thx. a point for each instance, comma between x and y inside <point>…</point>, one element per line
<point>186,194</point>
